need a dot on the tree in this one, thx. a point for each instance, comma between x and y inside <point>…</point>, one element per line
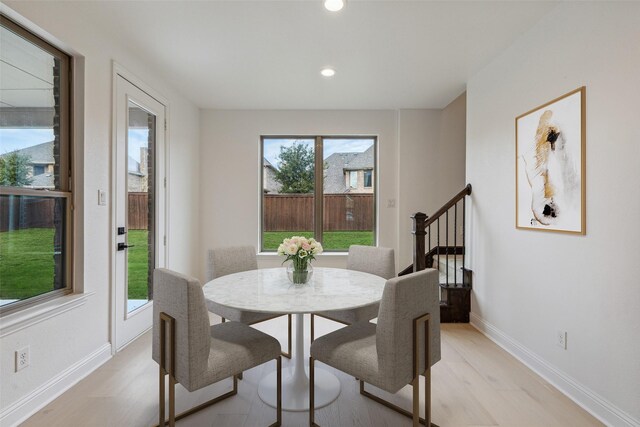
<point>296,167</point>
<point>14,170</point>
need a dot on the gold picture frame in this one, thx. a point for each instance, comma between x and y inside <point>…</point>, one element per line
<point>550,165</point>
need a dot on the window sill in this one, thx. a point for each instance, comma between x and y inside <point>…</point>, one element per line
<point>30,316</point>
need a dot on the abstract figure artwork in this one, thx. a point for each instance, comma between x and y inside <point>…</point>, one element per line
<point>550,145</point>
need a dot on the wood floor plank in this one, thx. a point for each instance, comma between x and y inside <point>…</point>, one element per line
<point>475,384</point>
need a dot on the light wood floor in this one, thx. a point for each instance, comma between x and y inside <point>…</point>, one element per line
<point>475,384</point>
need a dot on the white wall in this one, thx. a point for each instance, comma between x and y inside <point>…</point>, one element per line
<point>530,284</point>
<point>60,345</point>
<point>409,148</point>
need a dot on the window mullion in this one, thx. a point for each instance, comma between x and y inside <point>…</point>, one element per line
<point>318,190</point>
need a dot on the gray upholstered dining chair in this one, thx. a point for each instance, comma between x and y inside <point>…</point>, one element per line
<point>391,353</point>
<point>369,259</point>
<point>195,354</point>
<point>235,259</point>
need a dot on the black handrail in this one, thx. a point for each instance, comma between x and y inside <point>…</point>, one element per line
<point>426,256</point>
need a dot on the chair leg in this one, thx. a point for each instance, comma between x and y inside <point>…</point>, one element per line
<point>312,328</point>
<point>392,406</point>
<point>164,320</point>
<point>416,402</point>
<point>288,353</point>
<point>172,403</point>
<point>279,393</point>
<point>415,383</point>
<point>161,396</point>
<point>312,406</point>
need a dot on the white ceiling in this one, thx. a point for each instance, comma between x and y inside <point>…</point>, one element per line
<point>268,54</point>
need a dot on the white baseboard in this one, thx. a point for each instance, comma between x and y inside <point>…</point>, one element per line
<point>43,395</point>
<point>592,402</point>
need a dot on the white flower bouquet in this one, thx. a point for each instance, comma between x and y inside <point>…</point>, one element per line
<point>301,251</point>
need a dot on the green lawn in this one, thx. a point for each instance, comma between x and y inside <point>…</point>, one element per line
<point>333,240</point>
<point>26,263</point>
<point>138,269</point>
<point>26,258</point>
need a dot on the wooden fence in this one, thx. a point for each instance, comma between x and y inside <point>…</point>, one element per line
<point>138,211</point>
<point>282,212</point>
<point>294,212</point>
<point>26,212</point>
<point>36,212</point>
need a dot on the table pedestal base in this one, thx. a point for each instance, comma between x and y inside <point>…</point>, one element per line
<point>295,389</point>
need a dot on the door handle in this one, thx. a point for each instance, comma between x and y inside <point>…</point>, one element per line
<point>123,246</point>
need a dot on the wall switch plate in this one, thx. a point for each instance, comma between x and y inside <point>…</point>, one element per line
<point>22,358</point>
<point>561,339</point>
<point>102,198</point>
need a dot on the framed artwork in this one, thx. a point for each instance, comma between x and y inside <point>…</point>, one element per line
<point>550,165</point>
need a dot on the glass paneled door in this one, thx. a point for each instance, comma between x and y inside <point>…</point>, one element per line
<point>139,207</point>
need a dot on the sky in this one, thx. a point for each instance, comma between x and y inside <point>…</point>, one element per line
<point>17,139</point>
<point>272,146</point>
<point>138,138</point>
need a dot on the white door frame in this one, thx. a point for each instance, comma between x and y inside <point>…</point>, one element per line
<point>162,191</point>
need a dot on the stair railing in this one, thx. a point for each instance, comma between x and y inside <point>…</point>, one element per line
<point>432,241</point>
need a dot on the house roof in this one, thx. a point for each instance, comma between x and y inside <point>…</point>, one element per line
<point>361,161</point>
<point>266,163</point>
<point>133,166</point>
<point>38,154</point>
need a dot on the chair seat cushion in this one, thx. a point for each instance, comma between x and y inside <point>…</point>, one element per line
<point>355,315</point>
<point>351,350</point>
<point>235,315</point>
<point>235,347</point>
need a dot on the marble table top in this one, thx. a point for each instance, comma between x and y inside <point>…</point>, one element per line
<point>270,291</point>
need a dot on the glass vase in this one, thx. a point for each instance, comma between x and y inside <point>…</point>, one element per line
<point>299,276</point>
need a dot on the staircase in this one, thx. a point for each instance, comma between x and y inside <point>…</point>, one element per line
<point>439,242</point>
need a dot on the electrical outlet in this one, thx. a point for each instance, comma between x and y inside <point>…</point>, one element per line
<point>561,339</point>
<point>22,358</point>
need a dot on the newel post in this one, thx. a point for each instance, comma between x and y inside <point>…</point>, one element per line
<point>419,232</point>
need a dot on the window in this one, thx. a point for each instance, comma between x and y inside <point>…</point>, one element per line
<point>367,178</point>
<point>353,179</point>
<point>313,186</point>
<point>35,179</point>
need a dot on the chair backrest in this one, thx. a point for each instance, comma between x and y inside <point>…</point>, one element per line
<point>229,260</point>
<point>181,297</point>
<point>404,299</point>
<point>371,259</point>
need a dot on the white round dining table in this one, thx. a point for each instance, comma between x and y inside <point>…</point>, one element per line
<point>270,291</point>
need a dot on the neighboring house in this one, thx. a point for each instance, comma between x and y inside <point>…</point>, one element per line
<point>349,173</point>
<point>40,164</point>
<point>137,179</point>
<point>269,183</point>
<point>343,173</point>
<point>41,167</point>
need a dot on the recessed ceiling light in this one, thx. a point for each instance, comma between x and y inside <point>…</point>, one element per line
<point>334,5</point>
<point>328,72</point>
